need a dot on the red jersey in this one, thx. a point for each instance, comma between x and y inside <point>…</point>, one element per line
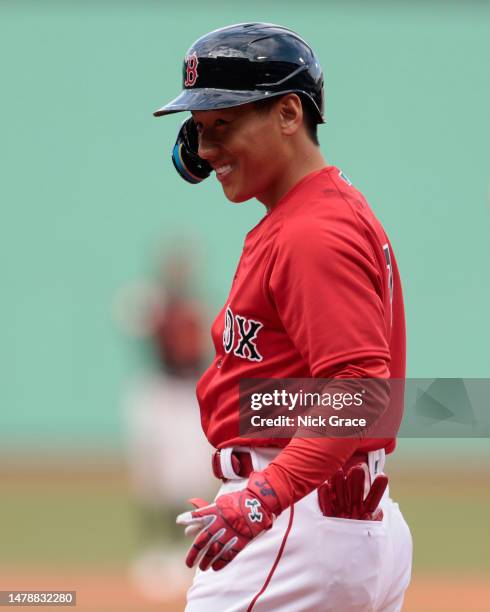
<point>316,293</point>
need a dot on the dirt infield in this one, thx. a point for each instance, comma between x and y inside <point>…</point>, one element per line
<point>448,594</point>
<point>111,592</point>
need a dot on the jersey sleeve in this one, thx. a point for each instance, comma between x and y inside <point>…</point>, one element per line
<point>305,463</point>
<point>327,290</point>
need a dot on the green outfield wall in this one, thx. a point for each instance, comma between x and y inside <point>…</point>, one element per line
<point>88,192</point>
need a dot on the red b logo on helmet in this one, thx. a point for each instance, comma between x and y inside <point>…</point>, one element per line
<point>191,63</point>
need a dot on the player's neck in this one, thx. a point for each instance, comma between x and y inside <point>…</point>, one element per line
<point>292,172</point>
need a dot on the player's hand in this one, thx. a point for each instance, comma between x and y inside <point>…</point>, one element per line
<point>343,496</point>
<point>224,528</point>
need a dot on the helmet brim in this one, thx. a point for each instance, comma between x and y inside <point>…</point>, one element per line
<point>207,98</point>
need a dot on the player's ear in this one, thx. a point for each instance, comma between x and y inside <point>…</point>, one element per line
<point>290,112</point>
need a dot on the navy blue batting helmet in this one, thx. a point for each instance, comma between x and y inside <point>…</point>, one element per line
<point>245,63</point>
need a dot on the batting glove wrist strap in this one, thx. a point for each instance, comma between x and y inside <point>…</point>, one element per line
<point>262,489</point>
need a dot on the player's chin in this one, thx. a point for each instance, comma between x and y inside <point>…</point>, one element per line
<point>236,196</point>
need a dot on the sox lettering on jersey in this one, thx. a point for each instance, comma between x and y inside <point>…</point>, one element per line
<point>229,333</point>
<point>248,330</point>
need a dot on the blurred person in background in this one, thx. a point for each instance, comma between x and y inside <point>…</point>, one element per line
<point>160,413</point>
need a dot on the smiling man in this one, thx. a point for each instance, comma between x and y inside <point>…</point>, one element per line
<point>304,523</point>
<point>232,141</point>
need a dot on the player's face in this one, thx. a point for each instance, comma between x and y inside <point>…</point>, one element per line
<point>244,148</point>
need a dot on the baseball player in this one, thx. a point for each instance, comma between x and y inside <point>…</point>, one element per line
<point>306,523</point>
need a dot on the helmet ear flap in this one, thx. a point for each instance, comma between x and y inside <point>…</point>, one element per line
<point>187,162</point>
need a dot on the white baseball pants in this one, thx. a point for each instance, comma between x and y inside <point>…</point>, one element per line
<point>310,563</point>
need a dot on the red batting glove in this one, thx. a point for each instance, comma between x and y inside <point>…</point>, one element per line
<point>224,528</point>
<point>343,495</point>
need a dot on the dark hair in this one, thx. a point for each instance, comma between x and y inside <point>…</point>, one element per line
<point>309,117</point>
